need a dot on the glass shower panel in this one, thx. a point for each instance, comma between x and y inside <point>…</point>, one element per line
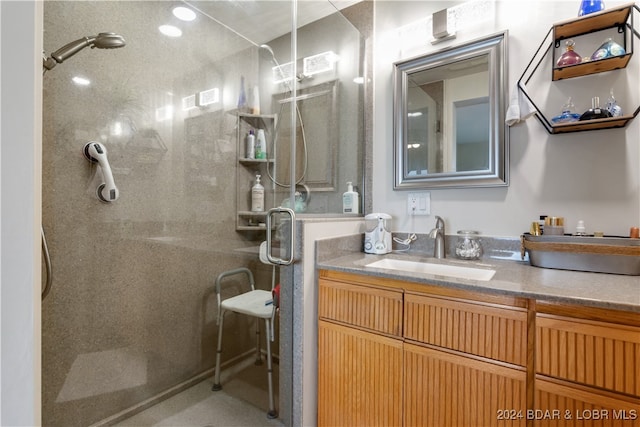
<point>132,310</point>
<point>131,314</point>
<point>329,109</point>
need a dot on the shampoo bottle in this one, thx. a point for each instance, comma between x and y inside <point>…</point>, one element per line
<point>350,202</point>
<point>257,196</point>
<point>261,145</point>
<point>251,145</point>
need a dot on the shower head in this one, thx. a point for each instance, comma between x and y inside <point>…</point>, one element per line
<point>101,41</point>
<point>283,76</point>
<point>268,49</point>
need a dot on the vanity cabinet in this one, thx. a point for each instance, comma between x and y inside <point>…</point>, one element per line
<point>587,365</point>
<point>393,352</point>
<point>359,355</point>
<point>246,170</point>
<point>398,353</point>
<point>618,19</point>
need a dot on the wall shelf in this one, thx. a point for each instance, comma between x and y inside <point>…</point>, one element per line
<point>592,67</point>
<point>246,170</point>
<point>619,19</point>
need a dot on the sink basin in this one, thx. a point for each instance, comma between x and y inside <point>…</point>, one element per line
<point>434,269</point>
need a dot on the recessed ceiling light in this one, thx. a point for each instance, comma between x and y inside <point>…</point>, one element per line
<point>81,81</point>
<point>184,13</point>
<point>170,30</point>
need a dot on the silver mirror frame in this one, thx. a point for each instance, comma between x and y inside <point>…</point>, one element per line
<point>497,174</point>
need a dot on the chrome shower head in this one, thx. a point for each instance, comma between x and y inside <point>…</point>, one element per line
<point>268,49</point>
<point>281,72</point>
<point>101,41</point>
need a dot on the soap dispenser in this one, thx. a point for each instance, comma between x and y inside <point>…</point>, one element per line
<point>257,196</point>
<point>350,200</point>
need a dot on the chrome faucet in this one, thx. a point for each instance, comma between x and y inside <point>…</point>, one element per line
<point>438,234</point>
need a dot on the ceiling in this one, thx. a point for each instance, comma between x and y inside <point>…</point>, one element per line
<point>260,21</point>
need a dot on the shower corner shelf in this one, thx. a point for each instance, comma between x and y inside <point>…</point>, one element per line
<point>245,161</point>
<point>246,170</point>
<point>620,18</point>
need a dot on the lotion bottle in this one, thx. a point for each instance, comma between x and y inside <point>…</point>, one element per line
<point>350,200</point>
<point>257,196</point>
<point>261,145</point>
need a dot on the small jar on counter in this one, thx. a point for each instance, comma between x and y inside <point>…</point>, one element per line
<point>468,245</point>
<point>554,225</point>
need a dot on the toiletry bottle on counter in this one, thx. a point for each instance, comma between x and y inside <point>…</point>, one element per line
<point>261,145</point>
<point>257,196</point>
<point>251,145</point>
<point>350,200</point>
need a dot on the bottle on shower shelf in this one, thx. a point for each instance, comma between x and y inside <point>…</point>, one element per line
<point>251,145</point>
<point>243,106</point>
<point>261,145</point>
<point>257,196</point>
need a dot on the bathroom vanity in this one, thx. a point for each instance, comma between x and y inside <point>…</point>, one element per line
<point>530,346</point>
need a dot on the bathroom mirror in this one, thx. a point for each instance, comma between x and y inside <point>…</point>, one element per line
<point>449,117</point>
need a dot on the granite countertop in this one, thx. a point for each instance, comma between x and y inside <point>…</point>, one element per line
<point>516,278</point>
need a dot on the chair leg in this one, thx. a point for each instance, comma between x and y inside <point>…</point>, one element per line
<point>216,381</point>
<point>272,406</point>
<point>258,352</point>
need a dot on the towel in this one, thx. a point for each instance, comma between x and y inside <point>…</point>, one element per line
<point>520,108</point>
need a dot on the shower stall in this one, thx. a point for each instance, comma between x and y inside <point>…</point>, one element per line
<point>130,316</point>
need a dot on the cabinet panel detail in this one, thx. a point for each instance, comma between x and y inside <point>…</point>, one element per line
<point>359,378</point>
<point>375,309</point>
<point>561,405</point>
<point>594,353</point>
<point>443,389</point>
<point>494,332</point>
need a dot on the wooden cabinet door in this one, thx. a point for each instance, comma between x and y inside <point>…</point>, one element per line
<point>598,354</point>
<point>372,308</point>
<point>359,377</point>
<point>560,404</point>
<point>446,389</point>
<point>487,330</point>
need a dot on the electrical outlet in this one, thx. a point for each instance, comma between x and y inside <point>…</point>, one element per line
<point>419,203</point>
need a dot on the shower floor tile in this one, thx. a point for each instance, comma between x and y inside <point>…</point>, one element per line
<point>243,401</point>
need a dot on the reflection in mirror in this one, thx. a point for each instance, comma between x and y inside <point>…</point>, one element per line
<point>448,117</point>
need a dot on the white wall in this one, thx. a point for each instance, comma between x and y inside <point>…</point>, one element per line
<point>593,176</point>
<point>20,130</point>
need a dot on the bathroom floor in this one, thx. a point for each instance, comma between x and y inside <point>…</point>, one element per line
<point>243,401</point>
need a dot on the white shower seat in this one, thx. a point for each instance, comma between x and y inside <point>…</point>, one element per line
<point>254,303</point>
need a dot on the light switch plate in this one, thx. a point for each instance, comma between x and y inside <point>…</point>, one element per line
<point>419,203</point>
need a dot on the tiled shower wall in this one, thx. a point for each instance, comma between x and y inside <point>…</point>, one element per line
<point>132,308</point>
